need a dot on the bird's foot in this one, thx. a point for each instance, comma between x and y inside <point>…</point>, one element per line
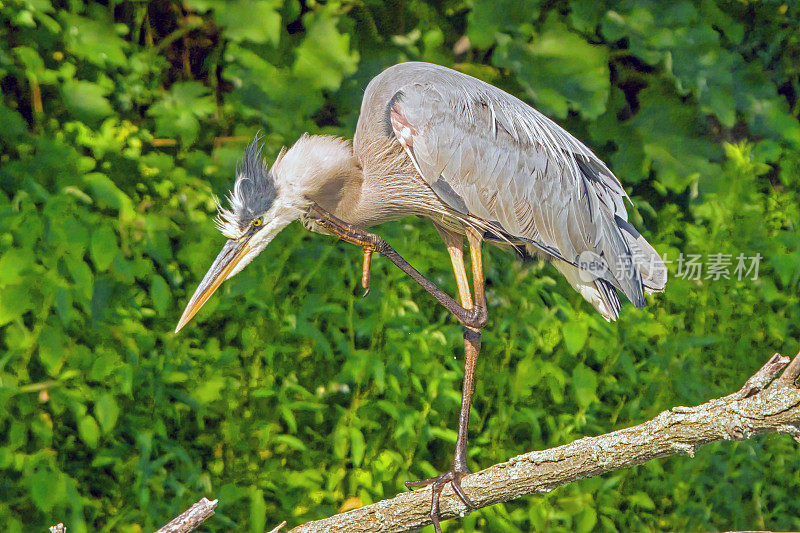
<point>343,230</point>
<point>348,233</point>
<point>437,483</point>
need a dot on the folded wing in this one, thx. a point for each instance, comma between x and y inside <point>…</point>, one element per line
<point>513,172</point>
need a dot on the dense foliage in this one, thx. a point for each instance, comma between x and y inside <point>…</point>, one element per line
<point>291,398</point>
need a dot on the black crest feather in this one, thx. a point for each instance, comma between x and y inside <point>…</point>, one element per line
<point>252,195</point>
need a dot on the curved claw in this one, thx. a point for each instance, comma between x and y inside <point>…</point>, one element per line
<point>437,484</point>
<point>365,273</point>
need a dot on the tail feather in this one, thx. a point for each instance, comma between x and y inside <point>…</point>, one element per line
<point>645,258</point>
<point>623,268</point>
<point>631,265</point>
<point>610,298</point>
<point>598,292</point>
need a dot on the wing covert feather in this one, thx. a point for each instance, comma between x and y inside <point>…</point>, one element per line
<point>492,157</point>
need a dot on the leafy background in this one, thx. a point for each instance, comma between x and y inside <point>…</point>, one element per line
<point>291,398</point>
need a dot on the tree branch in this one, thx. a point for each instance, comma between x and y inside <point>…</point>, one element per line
<point>763,405</point>
<point>191,518</point>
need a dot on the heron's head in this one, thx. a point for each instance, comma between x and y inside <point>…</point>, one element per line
<point>258,209</point>
<point>264,201</point>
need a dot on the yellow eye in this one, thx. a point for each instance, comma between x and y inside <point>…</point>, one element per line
<point>257,222</point>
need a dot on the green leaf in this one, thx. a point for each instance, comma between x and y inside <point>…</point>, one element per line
<point>484,23</point>
<point>103,247</point>
<point>93,40</point>
<point>209,390</point>
<point>585,520</point>
<point>357,446</point>
<point>13,124</point>
<point>102,366</point>
<point>63,305</point>
<point>89,431</point>
<point>106,411</point>
<point>47,489</point>
<point>527,373</point>
<point>13,263</point>
<point>82,276</point>
<point>258,511</point>
<point>250,20</point>
<point>76,234</point>
<point>641,499</point>
<point>324,57</point>
<point>51,349</point>
<point>14,302</point>
<point>289,418</point>
<point>31,61</point>
<point>670,140</point>
<point>108,194</point>
<point>160,294</point>
<point>284,104</point>
<point>86,100</point>
<point>584,385</point>
<point>177,113</point>
<point>559,70</point>
<point>575,334</point>
<point>291,441</point>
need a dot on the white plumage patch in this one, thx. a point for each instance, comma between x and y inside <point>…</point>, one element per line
<point>404,132</point>
<point>226,221</point>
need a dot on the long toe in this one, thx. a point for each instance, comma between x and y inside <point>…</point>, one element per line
<point>456,481</point>
<point>436,491</point>
<point>421,483</point>
<point>437,485</point>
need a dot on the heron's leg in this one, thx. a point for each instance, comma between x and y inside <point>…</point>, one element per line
<point>454,243</point>
<point>475,240</point>
<point>474,316</point>
<point>472,346</point>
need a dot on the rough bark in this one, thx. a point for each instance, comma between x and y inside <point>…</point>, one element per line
<point>763,405</point>
<point>191,518</point>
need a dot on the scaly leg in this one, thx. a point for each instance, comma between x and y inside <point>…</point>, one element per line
<point>472,346</point>
<point>474,317</point>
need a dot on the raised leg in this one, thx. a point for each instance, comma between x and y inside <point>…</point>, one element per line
<point>475,316</point>
<point>472,317</point>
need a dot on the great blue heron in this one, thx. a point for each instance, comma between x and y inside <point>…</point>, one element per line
<point>474,160</point>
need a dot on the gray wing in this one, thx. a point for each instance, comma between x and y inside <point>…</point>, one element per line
<point>506,166</point>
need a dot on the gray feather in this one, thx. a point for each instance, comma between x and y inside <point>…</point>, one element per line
<point>490,156</point>
<point>255,183</point>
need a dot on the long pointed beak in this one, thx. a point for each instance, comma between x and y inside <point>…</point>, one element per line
<point>228,258</point>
